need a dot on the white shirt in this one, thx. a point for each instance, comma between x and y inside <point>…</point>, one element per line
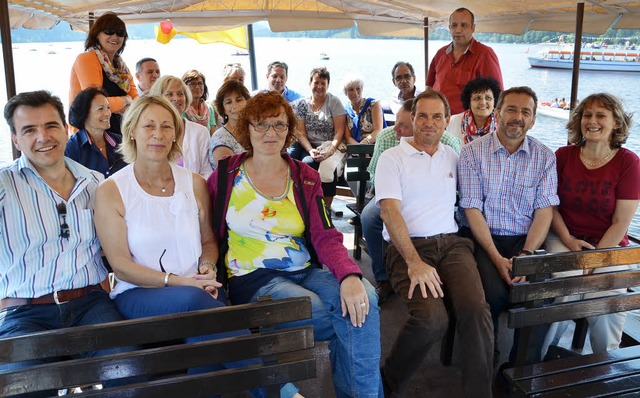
<point>195,148</point>
<point>426,186</point>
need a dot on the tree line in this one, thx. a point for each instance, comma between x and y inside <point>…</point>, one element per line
<point>63,32</point>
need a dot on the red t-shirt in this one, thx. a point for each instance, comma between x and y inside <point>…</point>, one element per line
<point>588,197</point>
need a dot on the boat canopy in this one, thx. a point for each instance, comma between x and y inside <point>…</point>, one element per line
<point>403,18</point>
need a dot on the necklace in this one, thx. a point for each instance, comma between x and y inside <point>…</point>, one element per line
<point>163,189</point>
<point>597,163</point>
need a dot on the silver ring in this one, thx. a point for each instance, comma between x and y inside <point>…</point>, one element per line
<point>363,304</point>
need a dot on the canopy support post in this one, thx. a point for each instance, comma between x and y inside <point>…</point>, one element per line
<point>425,23</point>
<point>577,45</point>
<point>252,58</point>
<point>7,55</point>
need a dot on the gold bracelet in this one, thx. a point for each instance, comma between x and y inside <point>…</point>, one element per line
<point>213,266</point>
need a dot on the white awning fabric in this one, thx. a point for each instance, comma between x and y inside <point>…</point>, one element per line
<point>403,18</point>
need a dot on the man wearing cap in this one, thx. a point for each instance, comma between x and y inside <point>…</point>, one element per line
<point>50,264</point>
<point>416,192</point>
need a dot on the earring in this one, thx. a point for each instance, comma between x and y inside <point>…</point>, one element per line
<point>132,138</point>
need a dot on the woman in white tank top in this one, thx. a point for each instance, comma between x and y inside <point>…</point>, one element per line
<point>154,224</point>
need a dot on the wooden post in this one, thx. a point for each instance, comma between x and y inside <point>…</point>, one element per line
<point>425,23</point>
<point>7,55</point>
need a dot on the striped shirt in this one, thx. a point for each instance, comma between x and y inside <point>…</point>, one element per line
<point>34,259</point>
<point>387,139</point>
<point>506,188</point>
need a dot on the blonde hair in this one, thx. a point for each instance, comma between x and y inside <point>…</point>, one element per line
<point>164,82</point>
<point>230,69</point>
<point>128,148</point>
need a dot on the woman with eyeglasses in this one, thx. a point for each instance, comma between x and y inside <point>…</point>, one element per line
<point>94,145</point>
<point>193,142</point>
<point>198,110</point>
<point>229,102</point>
<point>270,222</point>
<point>153,221</point>
<point>479,98</point>
<point>101,65</point>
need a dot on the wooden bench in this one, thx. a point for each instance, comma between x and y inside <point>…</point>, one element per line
<point>358,159</point>
<point>161,371</point>
<point>616,372</point>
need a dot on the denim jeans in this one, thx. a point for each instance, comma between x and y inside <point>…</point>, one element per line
<point>452,257</point>
<point>144,302</point>
<point>93,308</point>
<point>355,351</point>
<point>372,231</point>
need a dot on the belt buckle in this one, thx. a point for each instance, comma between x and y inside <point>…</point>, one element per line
<point>56,300</point>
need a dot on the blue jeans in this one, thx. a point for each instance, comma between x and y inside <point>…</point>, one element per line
<point>372,231</point>
<point>143,302</point>
<point>93,308</point>
<point>355,351</point>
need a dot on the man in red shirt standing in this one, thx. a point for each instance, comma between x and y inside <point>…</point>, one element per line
<point>462,60</point>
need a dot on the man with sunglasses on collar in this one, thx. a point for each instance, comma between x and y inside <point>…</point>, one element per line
<point>50,264</point>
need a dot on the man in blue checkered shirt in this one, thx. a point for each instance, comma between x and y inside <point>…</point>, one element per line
<point>508,186</point>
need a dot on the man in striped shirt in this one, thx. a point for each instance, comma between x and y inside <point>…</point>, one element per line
<point>508,186</point>
<point>50,264</point>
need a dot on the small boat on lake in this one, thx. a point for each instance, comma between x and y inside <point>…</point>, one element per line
<point>240,53</point>
<point>559,113</point>
<point>324,56</point>
<point>610,60</point>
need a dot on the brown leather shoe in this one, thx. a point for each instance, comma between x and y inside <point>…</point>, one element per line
<point>384,290</point>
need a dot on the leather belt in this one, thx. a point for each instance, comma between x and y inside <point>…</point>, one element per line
<point>433,236</point>
<point>57,297</point>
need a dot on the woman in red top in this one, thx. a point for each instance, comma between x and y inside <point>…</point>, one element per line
<point>599,189</point>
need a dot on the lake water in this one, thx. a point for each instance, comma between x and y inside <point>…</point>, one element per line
<point>47,66</point>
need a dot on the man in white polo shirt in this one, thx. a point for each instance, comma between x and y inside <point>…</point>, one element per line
<point>416,191</point>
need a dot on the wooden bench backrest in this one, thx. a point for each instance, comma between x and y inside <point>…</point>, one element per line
<point>541,286</point>
<point>170,356</point>
<point>357,167</point>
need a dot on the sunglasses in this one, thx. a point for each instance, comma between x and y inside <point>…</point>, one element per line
<point>111,32</point>
<point>62,215</point>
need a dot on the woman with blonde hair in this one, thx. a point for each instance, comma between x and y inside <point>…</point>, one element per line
<point>196,137</point>
<point>153,219</point>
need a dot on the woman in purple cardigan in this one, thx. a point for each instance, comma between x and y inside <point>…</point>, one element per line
<point>275,231</point>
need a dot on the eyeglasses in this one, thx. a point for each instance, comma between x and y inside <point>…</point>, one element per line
<point>111,32</point>
<point>487,98</point>
<point>195,84</point>
<point>160,261</point>
<point>62,215</point>
<point>400,78</point>
<point>278,127</point>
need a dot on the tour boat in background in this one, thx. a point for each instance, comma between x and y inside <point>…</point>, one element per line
<point>610,60</point>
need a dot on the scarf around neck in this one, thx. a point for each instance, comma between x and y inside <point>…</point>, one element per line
<point>193,116</point>
<point>119,75</point>
<point>469,129</point>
